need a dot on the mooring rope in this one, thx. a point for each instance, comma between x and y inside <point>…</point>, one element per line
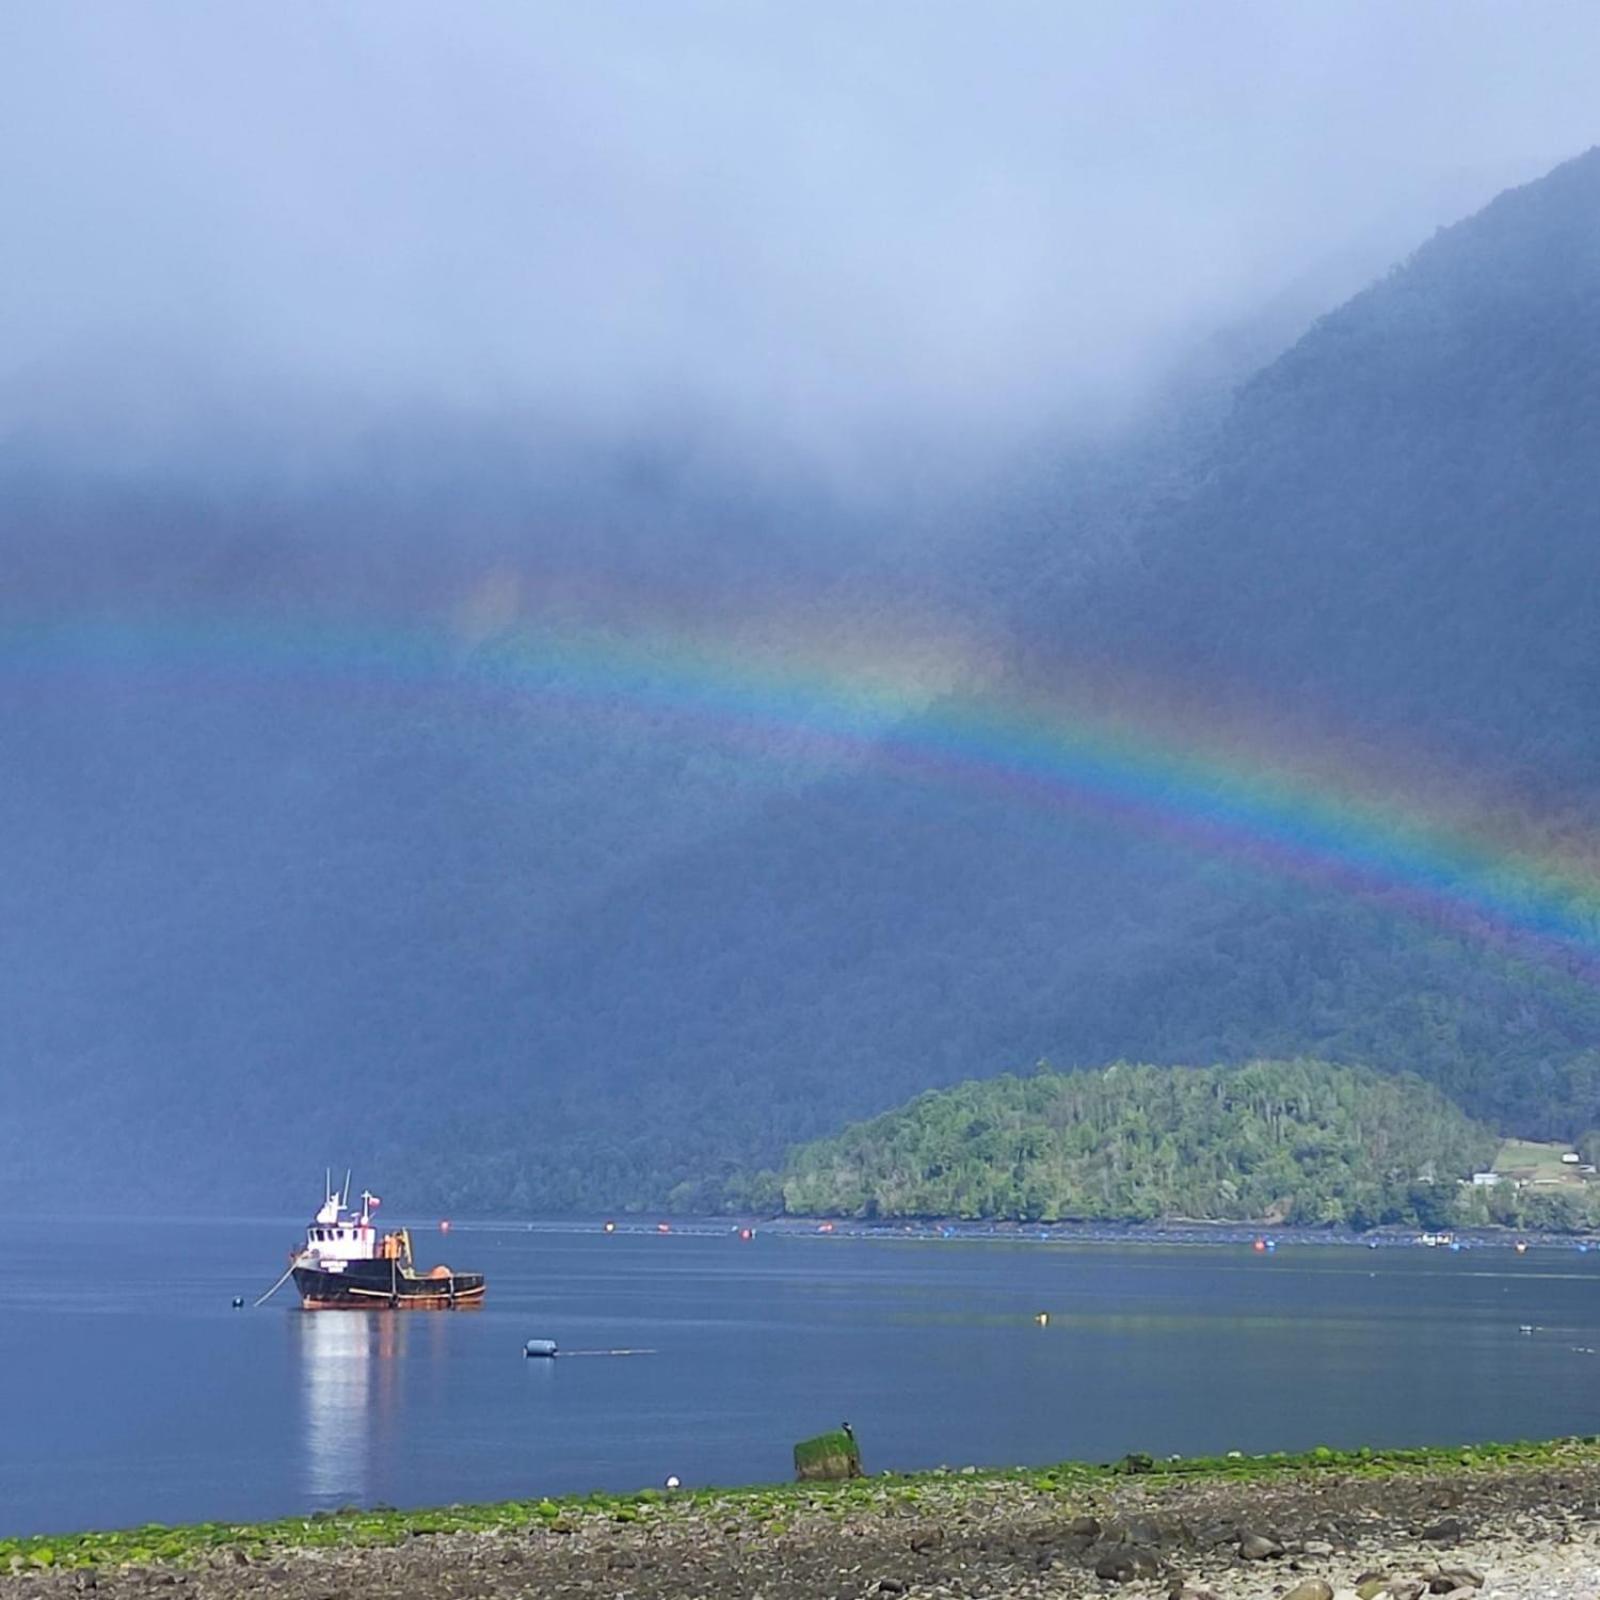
<point>275,1288</point>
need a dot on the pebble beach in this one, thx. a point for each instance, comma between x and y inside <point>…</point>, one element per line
<point>1507,1529</point>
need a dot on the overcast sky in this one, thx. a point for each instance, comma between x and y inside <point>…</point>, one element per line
<point>808,217</point>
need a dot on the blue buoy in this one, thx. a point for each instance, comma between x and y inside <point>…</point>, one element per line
<point>540,1347</point>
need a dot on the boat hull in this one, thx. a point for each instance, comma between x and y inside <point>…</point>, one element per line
<point>377,1286</point>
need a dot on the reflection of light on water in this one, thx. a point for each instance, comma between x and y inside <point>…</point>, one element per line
<point>347,1368</point>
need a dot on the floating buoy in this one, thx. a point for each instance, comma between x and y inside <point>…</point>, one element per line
<point>747,1234</point>
<point>1043,1319</point>
<point>444,1227</point>
<point>1522,1247</point>
<point>824,1227</point>
<point>238,1302</point>
<point>543,1348</point>
<point>663,1227</point>
<point>1260,1244</point>
<point>672,1481</point>
<point>610,1226</point>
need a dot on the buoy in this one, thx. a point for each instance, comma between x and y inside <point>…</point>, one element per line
<point>1043,1319</point>
<point>663,1227</point>
<point>672,1481</point>
<point>444,1227</point>
<point>611,1227</point>
<point>747,1234</point>
<point>545,1348</point>
<point>1260,1244</point>
<point>1522,1248</point>
<point>238,1302</point>
<point>824,1227</point>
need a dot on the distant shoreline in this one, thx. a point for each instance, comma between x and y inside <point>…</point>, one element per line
<point>937,1230</point>
<point>922,1229</point>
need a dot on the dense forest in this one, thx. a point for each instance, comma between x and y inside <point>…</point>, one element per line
<point>284,905</point>
<point>1300,1142</point>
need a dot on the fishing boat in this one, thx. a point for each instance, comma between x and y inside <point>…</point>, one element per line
<point>347,1265</point>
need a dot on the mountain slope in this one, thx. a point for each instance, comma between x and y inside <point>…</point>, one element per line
<point>529,952</point>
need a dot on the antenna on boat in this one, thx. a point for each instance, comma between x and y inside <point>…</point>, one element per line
<point>344,1199</point>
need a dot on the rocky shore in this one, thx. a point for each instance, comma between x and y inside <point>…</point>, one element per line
<point>1522,1528</point>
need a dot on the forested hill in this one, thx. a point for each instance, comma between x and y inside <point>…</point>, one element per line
<point>1278,1141</point>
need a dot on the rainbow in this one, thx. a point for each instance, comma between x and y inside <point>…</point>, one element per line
<point>895,714</point>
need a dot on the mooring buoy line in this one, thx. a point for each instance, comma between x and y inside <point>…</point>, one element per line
<point>549,1350</point>
<point>275,1288</point>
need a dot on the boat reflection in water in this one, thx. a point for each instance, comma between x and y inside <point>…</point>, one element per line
<point>350,1391</point>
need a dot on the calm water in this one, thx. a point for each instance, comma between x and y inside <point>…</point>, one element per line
<point>133,1392</point>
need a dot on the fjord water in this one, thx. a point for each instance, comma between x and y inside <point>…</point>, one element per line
<point>133,1391</point>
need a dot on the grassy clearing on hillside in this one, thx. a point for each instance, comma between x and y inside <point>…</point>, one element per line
<point>763,1507</point>
<point>1535,1162</point>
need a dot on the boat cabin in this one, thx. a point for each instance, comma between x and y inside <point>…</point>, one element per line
<point>337,1234</point>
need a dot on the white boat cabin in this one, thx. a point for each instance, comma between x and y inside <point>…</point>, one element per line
<point>337,1234</point>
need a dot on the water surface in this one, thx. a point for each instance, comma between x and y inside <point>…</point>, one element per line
<point>133,1392</point>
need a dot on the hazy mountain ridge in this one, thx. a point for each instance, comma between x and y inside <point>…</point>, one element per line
<point>527,960</point>
<point>1397,523</point>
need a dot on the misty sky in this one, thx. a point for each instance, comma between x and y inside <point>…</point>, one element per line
<point>818,218</point>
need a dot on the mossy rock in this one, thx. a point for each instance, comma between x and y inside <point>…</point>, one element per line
<point>833,1455</point>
